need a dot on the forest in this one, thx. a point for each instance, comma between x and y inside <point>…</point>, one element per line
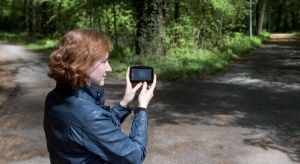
<point>181,39</point>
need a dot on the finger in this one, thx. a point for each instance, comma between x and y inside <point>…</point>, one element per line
<point>137,87</point>
<point>127,78</point>
<point>144,89</point>
<point>153,84</point>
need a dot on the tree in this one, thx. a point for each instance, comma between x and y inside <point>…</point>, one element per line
<point>261,6</point>
<point>149,24</point>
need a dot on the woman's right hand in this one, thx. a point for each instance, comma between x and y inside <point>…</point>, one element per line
<point>146,94</point>
<point>130,91</point>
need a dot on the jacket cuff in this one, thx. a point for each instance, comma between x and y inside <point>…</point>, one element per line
<point>129,109</point>
<point>138,109</point>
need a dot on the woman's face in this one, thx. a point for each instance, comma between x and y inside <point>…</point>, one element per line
<point>98,72</point>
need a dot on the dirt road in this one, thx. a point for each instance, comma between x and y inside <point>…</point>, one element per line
<point>246,114</point>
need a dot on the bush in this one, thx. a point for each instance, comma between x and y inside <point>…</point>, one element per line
<point>265,35</point>
<point>179,63</point>
<point>36,43</point>
<point>184,62</point>
<point>296,33</point>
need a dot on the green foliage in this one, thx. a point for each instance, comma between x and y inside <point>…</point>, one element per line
<point>180,34</point>
<point>284,15</point>
<point>296,33</point>
<point>237,44</point>
<point>190,41</point>
<point>256,41</point>
<point>240,43</point>
<point>190,62</point>
<point>224,6</point>
<point>45,45</point>
<point>265,35</point>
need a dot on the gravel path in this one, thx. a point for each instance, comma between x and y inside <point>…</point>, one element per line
<point>246,114</point>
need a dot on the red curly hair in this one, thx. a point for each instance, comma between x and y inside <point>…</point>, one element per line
<point>78,51</point>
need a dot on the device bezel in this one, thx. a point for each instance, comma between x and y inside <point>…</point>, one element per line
<point>141,67</point>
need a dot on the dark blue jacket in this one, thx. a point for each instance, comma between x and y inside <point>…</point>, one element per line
<point>80,129</point>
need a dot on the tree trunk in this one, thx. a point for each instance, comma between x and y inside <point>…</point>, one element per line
<point>89,12</point>
<point>257,16</point>
<point>279,17</point>
<point>176,11</point>
<point>107,28</point>
<point>26,8</point>
<point>94,17</point>
<point>33,17</point>
<point>115,24</point>
<point>161,49</point>
<point>59,20</point>
<point>176,18</point>
<point>199,37</point>
<point>221,23</point>
<point>261,16</point>
<point>285,22</point>
<point>267,21</point>
<point>294,20</point>
<point>139,11</point>
<point>146,33</point>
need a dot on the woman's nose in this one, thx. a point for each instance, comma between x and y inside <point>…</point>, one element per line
<point>108,68</point>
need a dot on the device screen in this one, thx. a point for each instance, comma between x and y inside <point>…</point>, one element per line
<point>141,74</point>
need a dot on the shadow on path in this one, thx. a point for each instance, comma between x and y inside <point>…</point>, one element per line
<point>262,92</point>
<point>257,99</point>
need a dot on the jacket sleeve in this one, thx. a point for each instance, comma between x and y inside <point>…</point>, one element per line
<point>120,112</point>
<point>104,137</point>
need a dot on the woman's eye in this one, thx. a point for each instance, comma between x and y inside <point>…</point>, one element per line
<point>104,61</point>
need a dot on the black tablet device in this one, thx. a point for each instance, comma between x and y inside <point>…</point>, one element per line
<point>141,74</point>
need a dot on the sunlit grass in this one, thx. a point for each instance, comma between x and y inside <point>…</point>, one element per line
<point>44,45</point>
<point>192,62</point>
<point>182,63</point>
<point>296,33</point>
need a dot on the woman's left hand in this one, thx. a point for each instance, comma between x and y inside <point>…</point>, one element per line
<point>129,92</point>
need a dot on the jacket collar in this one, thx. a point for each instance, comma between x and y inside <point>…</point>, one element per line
<point>95,93</point>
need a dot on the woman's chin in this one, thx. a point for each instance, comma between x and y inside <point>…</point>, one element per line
<point>102,83</point>
<point>99,84</point>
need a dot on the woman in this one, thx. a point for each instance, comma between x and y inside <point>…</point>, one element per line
<point>78,127</point>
